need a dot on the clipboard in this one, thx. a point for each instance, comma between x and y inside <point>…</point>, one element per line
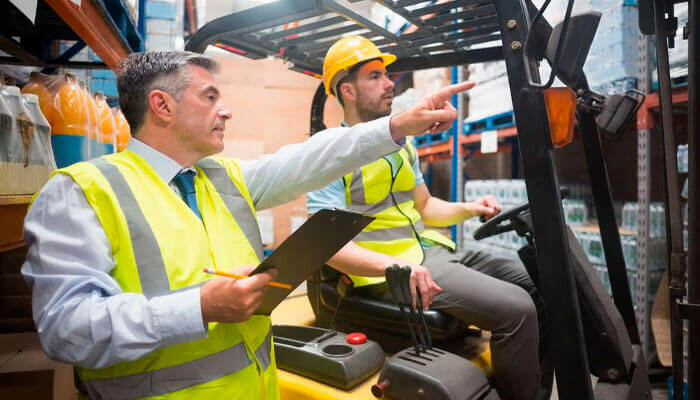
<point>307,250</point>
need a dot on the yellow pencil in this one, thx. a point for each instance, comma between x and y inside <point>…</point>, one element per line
<point>236,276</point>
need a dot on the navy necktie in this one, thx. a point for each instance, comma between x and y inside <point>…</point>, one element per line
<point>185,182</point>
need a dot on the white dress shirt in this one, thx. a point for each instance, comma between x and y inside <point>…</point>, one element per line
<point>81,313</point>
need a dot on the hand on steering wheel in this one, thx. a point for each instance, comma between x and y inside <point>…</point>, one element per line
<point>495,225</point>
<point>486,207</point>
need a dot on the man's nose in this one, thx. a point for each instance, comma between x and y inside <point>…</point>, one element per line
<point>225,114</point>
<point>388,83</point>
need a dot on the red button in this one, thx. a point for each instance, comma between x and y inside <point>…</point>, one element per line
<point>356,338</point>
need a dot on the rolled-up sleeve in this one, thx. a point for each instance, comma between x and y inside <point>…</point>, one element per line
<point>81,314</point>
<point>299,168</point>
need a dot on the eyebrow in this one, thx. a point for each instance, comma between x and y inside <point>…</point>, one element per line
<point>212,89</point>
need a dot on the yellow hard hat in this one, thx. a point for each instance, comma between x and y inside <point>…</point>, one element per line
<point>344,54</point>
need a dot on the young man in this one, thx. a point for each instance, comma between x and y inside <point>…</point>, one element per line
<point>117,245</point>
<point>473,286</point>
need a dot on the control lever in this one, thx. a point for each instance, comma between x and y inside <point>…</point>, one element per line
<point>405,276</point>
<point>428,339</point>
<point>393,281</point>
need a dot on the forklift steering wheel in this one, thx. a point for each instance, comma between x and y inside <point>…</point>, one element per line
<point>496,225</point>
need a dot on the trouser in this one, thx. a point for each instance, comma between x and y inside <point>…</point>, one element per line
<point>492,293</point>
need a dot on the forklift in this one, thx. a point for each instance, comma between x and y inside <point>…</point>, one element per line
<point>593,334</point>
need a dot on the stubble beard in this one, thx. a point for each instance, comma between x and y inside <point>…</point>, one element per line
<point>369,112</point>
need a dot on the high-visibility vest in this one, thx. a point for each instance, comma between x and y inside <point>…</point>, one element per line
<point>161,246</point>
<point>388,195</point>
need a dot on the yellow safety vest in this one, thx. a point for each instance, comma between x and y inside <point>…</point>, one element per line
<point>160,246</point>
<point>388,195</point>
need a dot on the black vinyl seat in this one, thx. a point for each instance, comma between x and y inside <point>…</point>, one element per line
<point>382,321</point>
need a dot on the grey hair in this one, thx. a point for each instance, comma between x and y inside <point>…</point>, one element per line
<point>140,73</point>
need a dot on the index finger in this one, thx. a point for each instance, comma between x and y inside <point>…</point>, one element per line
<point>445,93</point>
<point>244,270</point>
<point>263,278</point>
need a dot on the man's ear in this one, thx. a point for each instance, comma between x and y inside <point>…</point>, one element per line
<point>162,105</point>
<point>348,90</point>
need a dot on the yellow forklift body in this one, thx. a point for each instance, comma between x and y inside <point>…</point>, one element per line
<point>296,310</point>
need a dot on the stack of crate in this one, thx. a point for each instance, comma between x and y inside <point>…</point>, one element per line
<point>492,94</point>
<point>164,24</point>
<point>611,66</point>
<point>509,193</point>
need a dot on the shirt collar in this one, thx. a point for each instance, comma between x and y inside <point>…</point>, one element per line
<point>165,167</point>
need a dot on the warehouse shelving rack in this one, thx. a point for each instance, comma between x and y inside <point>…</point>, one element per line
<point>467,142</point>
<point>104,26</point>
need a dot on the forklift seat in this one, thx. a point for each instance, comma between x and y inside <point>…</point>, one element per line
<point>380,320</point>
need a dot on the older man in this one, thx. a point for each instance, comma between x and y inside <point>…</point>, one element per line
<point>117,245</point>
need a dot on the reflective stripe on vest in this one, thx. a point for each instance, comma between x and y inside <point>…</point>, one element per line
<point>377,189</point>
<point>357,197</point>
<point>399,232</point>
<point>395,197</point>
<point>385,190</point>
<point>235,202</point>
<point>152,272</point>
<point>181,376</point>
<point>149,261</point>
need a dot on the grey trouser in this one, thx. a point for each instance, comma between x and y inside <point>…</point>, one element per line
<point>491,293</point>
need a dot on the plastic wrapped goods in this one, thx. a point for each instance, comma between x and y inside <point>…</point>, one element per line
<point>70,130</point>
<point>37,85</point>
<point>95,150</point>
<point>40,150</point>
<point>489,98</point>
<point>123,129</point>
<point>25,156</point>
<point>106,125</point>
<point>9,139</point>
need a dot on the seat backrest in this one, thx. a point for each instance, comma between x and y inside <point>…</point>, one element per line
<point>608,344</point>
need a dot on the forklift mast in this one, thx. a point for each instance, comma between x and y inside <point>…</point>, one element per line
<point>657,17</point>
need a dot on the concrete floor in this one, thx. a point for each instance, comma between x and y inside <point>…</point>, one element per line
<point>656,393</point>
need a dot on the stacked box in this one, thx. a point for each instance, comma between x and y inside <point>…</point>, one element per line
<point>577,208</point>
<point>657,218</point>
<point>164,30</point>
<point>491,95</point>
<point>611,66</point>
<point>105,81</point>
<point>509,193</point>
<point>161,10</point>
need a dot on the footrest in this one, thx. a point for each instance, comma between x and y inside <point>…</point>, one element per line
<point>326,355</point>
